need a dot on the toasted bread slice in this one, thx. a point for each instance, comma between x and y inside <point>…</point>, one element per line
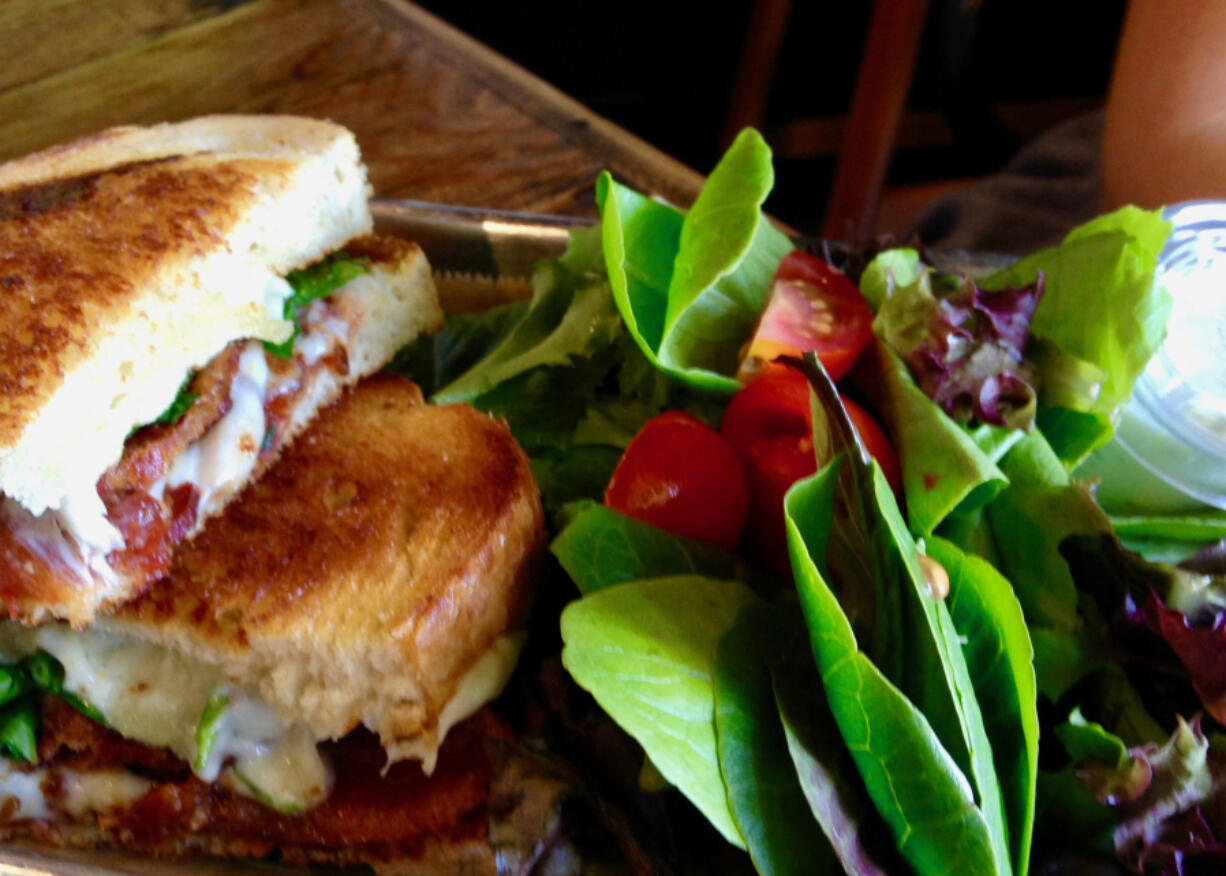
<point>41,576</point>
<point>361,579</point>
<point>133,256</point>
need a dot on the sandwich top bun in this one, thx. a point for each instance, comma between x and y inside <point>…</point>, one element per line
<point>385,555</point>
<point>135,255</point>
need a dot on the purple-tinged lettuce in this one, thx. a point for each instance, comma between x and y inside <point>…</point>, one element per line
<point>1198,639</point>
<point>1185,608</point>
<point>964,345</point>
<point>1164,795</point>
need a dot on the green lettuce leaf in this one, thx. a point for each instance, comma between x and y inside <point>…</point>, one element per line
<point>849,532</point>
<point>1209,525</point>
<point>601,547</point>
<point>433,361</point>
<point>1063,657</point>
<point>690,287</point>
<point>312,283</point>
<point>764,792</point>
<point>1170,538</point>
<point>1030,519</point>
<point>647,652</point>
<point>1084,739</point>
<point>890,269</point>
<point>1073,435</point>
<point>828,776</point>
<point>1102,309</point>
<point>571,316</point>
<point>945,468</point>
<point>1000,658</point>
<point>916,786</point>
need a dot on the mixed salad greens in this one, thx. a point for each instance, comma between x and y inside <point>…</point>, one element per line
<point>966,671</point>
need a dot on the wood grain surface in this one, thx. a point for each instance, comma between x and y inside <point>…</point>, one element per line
<point>439,116</point>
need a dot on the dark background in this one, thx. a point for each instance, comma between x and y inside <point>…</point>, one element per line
<point>991,75</point>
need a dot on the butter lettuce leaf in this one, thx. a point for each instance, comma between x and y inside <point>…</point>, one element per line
<point>690,286</point>
<point>601,547</point>
<point>764,791</point>
<point>1030,519</point>
<point>945,468</point>
<point>1000,658</point>
<point>889,653</point>
<point>647,652</point>
<point>916,786</point>
<point>828,776</point>
<point>1102,310</point>
<point>571,316</point>
<point>1101,303</point>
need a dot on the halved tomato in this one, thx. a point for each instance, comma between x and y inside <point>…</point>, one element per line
<point>770,426</point>
<point>812,306</point>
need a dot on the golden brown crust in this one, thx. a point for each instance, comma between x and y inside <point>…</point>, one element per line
<point>36,580</point>
<point>391,534</point>
<point>78,253</point>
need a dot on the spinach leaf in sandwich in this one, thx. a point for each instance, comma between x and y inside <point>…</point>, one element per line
<point>311,284</point>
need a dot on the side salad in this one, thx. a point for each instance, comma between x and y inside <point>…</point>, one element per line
<point>835,570</point>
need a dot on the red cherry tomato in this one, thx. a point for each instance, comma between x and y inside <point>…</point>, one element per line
<point>769,425</point>
<point>680,475</point>
<point>812,306</point>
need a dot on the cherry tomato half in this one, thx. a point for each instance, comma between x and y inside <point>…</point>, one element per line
<point>812,306</point>
<point>769,424</point>
<point>680,475</point>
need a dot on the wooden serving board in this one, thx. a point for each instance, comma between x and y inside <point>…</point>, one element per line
<point>439,116</point>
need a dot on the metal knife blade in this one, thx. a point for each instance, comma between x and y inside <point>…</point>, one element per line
<point>484,256</point>
<point>480,258</point>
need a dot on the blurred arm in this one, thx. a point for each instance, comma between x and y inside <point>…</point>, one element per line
<point>1164,136</point>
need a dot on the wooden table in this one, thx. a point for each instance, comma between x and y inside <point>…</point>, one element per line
<point>439,116</point>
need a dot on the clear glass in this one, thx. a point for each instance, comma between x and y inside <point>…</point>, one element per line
<point>1169,450</point>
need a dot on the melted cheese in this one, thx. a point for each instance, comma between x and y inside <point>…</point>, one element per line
<point>146,692</point>
<point>76,794</point>
<point>76,536</point>
<point>25,788</point>
<point>483,681</point>
<point>87,793</point>
<point>222,460</point>
<point>158,696</point>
